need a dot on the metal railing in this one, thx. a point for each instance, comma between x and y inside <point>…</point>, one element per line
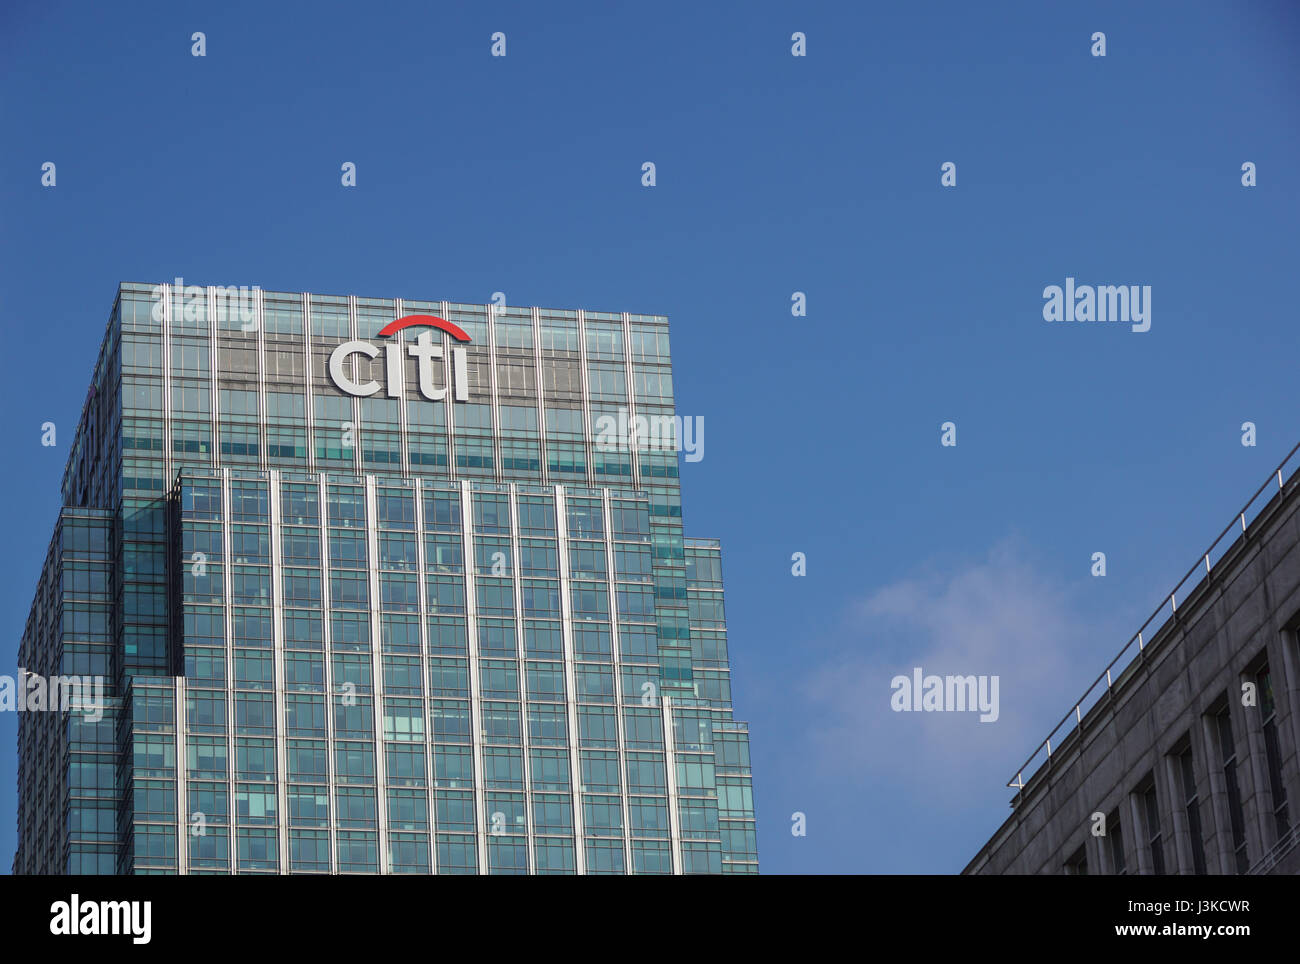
<point>1082,705</point>
<point>1284,846</point>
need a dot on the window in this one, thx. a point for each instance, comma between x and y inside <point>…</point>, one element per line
<point>309,850</point>
<point>559,334</point>
<point>586,519</point>
<point>492,514</point>
<point>1116,837</point>
<point>1155,840</point>
<point>1228,754</point>
<point>456,854</point>
<point>396,509</point>
<point>1268,712</point>
<point>1192,806</point>
<point>536,516</point>
<point>299,505</point>
<point>552,813</point>
<point>442,511</point>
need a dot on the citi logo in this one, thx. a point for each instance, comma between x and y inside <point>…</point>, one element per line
<point>423,350</point>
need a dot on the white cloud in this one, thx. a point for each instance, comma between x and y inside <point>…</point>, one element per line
<point>1002,616</point>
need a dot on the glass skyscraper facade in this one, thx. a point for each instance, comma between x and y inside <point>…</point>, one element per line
<point>395,607</point>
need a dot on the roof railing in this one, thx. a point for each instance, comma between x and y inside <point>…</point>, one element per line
<point>1082,705</point>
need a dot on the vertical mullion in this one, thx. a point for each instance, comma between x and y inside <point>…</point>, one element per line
<point>426,700</point>
<point>377,671</point>
<point>615,646</point>
<point>403,441</point>
<point>544,456</point>
<point>518,586</point>
<point>570,680</point>
<point>327,643</point>
<point>308,361</point>
<point>586,398</point>
<point>277,642</point>
<point>182,776</point>
<point>356,401</point>
<point>228,564</point>
<point>475,699</point>
<point>263,459</point>
<point>670,759</point>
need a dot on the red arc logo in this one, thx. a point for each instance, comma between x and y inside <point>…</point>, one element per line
<point>431,321</point>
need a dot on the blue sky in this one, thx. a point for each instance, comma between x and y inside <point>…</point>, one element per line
<point>775,174</point>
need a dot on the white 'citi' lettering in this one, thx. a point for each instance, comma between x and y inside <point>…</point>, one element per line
<point>423,350</point>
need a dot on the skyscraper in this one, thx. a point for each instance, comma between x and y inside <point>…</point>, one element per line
<point>380,586</point>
